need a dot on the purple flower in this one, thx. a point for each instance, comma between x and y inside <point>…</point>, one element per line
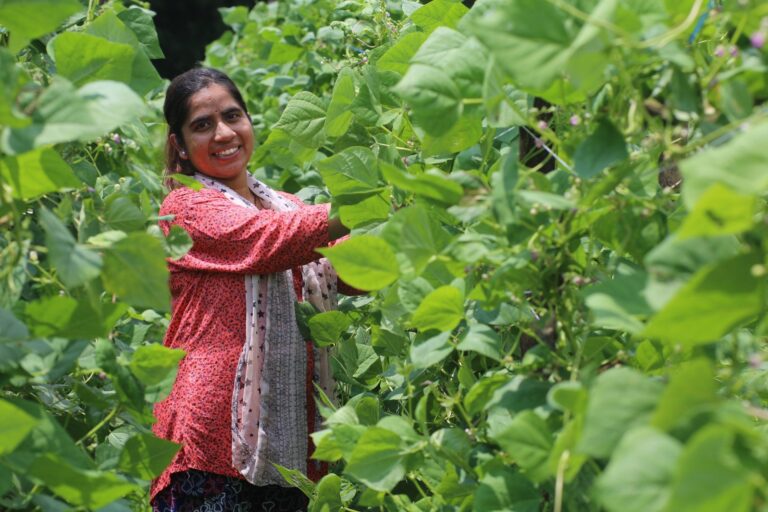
<point>758,39</point>
<point>734,51</point>
<point>542,125</point>
<point>719,51</point>
<point>116,138</point>
<point>575,120</point>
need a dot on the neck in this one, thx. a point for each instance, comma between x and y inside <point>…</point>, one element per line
<point>239,184</point>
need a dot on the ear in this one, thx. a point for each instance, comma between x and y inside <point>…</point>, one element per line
<point>175,143</point>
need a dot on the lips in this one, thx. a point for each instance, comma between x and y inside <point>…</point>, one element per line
<point>227,153</point>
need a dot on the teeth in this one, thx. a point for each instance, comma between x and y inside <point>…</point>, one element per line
<point>228,152</point>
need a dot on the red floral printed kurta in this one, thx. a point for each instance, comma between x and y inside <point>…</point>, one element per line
<point>208,312</point>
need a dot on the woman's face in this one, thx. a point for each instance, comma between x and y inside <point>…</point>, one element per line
<point>218,136</point>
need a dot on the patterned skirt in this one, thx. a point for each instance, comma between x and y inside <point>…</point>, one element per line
<point>200,491</point>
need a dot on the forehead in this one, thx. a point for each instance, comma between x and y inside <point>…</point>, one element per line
<point>211,99</point>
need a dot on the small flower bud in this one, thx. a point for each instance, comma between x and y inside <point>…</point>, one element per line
<point>757,270</point>
<point>734,51</point>
<point>116,139</point>
<point>757,39</point>
<point>542,125</point>
<point>575,120</point>
<point>719,50</point>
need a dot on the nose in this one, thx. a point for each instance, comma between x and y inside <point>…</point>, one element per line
<point>223,132</point>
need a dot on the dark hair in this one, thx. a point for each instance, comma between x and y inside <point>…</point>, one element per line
<point>176,109</point>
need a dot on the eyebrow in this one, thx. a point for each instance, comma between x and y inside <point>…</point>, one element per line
<point>206,117</point>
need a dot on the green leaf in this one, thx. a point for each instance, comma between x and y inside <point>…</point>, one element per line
<point>15,424</point>
<point>123,215</point>
<point>350,173</point>
<point>620,396</point>
<point>504,489</point>
<point>442,309</point>
<point>568,396</point>
<point>65,114</point>
<point>69,318</point>
<point>603,148</point>
<point>542,48</point>
<point>717,299</point>
<point>177,243</point>
<point>79,487</point>
<point>692,387</point>
<point>152,363</point>
<point>397,58</point>
<point>304,119</point>
<point>84,58</point>
<point>11,329</point>
<point>139,20</point>
<point>143,75</point>
<point>434,96</point>
<point>37,172</point>
<point>528,441</point>
<point>135,270</point>
<point>282,53</point>
<point>377,460</point>
<point>417,236</point>
<point>74,264</point>
<point>710,477</point>
<point>187,181</point>
<point>461,57</point>
<point>464,134</point>
<point>327,327</point>
<point>30,19</point>
<point>431,351</point>
<point>739,165</point>
<point>339,115</point>
<point>432,184</point>
<point>365,262</point>
<point>719,211</point>
<point>146,456</point>
<point>327,494</point>
<point>549,200</point>
<point>375,208</point>
<point>640,472</point>
<point>483,340</point>
<point>438,13</point>
<point>619,303</point>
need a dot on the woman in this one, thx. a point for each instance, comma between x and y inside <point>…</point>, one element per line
<point>242,398</point>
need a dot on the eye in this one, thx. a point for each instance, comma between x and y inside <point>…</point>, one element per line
<point>201,125</point>
<point>233,115</point>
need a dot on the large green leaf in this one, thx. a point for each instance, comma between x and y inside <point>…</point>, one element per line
<point>621,396</point>
<point>352,172</point>
<point>717,299</point>
<point>504,489</point>
<point>84,58</point>
<point>719,211</point>
<point>378,460</point>
<point>29,19</point>
<point>431,351</point>
<point>139,20</point>
<point>528,441</point>
<point>432,183</point>
<point>327,327</point>
<point>709,476</point>
<point>692,388</point>
<point>74,264</point>
<point>603,148</point>
<point>543,49</point>
<point>434,96</point>
<point>398,57</point>
<point>304,119</point>
<point>483,340</point>
<point>15,424</point>
<point>638,478</point>
<point>146,456</point>
<point>365,262</point>
<point>739,164</point>
<point>417,236</point>
<point>36,173</point>
<point>64,114</point>
<point>460,57</point>
<point>438,13</point>
<point>83,487</point>
<point>442,309</point>
<point>619,303</point>
<point>135,270</point>
<point>152,363</point>
<point>339,115</point>
<point>66,317</point>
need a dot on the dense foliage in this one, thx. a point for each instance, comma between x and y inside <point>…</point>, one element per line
<point>558,206</point>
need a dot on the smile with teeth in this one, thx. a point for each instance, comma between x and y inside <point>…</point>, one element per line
<point>227,152</point>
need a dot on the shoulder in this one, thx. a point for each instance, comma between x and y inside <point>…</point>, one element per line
<point>292,198</point>
<point>184,197</point>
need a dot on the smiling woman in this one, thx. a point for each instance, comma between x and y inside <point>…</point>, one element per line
<point>242,397</point>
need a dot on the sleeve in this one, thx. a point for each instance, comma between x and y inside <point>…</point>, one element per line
<point>230,238</point>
